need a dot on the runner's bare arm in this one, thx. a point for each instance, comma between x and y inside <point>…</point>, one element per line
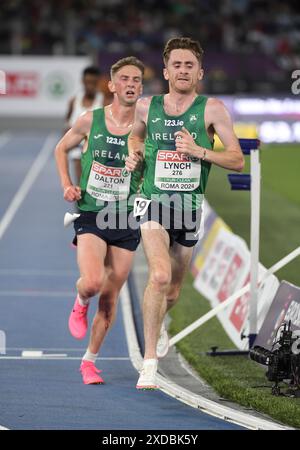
<point>68,115</point>
<point>217,117</point>
<point>71,139</point>
<point>138,133</point>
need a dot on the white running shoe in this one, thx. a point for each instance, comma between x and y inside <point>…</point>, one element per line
<point>146,380</point>
<point>162,347</point>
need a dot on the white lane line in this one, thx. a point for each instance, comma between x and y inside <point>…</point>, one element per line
<point>28,181</point>
<point>39,354</point>
<point>37,294</point>
<point>131,337</point>
<point>23,190</point>
<point>38,272</point>
<point>49,349</point>
<point>185,396</point>
<point>5,138</point>
<point>61,358</point>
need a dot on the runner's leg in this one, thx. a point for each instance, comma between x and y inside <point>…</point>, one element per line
<point>156,246</point>
<point>118,264</point>
<point>91,252</point>
<point>180,259</point>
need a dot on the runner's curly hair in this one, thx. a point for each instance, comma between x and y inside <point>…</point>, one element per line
<point>184,43</point>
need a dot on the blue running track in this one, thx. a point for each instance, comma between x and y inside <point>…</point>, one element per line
<point>37,288</point>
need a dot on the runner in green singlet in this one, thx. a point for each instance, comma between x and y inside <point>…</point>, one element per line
<point>105,237</point>
<point>177,130</point>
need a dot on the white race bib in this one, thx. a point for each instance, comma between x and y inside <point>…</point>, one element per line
<point>108,183</point>
<point>176,172</point>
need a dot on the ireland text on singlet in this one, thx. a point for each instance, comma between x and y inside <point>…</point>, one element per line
<point>166,171</point>
<point>104,180</point>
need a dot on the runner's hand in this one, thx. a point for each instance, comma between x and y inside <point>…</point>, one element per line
<point>72,193</point>
<point>132,162</point>
<point>185,143</point>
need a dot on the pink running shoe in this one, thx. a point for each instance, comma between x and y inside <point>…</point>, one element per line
<point>78,323</point>
<point>90,373</point>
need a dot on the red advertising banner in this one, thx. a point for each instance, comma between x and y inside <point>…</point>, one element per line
<point>22,84</point>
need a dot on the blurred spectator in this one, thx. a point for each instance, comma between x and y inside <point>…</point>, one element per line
<point>268,29</point>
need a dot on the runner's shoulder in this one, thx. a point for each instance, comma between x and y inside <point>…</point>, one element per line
<point>84,121</point>
<point>215,104</point>
<point>142,107</point>
<point>144,102</point>
<point>215,107</point>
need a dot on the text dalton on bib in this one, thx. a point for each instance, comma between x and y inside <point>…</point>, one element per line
<point>108,183</point>
<point>175,171</point>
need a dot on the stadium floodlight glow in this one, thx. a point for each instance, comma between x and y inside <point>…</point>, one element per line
<point>279,131</point>
<point>263,106</point>
<point>296,131</point>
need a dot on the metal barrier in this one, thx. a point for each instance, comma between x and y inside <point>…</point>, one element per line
<point>250,182</point>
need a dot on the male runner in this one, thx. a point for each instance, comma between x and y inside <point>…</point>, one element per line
<point>104,255</point>
<point>87,99</point>
<point>178,129</point>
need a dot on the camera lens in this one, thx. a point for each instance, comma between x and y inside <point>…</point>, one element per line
<point>260,355</point>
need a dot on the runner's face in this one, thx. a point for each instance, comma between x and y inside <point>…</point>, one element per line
<point>183,71</point>
<point>90,84</point>
<point>127,84</point>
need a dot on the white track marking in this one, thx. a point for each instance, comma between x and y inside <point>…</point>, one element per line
<point>28,181</point>
<point>60,358</point>
<point>32,353</point>
<point>49,349</point>
<point>185,396</point>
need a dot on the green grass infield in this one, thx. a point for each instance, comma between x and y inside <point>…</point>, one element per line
<point>237,378</point>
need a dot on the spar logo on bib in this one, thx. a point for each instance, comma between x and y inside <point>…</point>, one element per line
<point>165,155</point>
<point>106,171</point>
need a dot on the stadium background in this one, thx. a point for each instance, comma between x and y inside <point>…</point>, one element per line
<point>252,47</point>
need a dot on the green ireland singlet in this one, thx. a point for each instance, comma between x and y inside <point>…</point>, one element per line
<point>104,180</point>
<point>165,170</point>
